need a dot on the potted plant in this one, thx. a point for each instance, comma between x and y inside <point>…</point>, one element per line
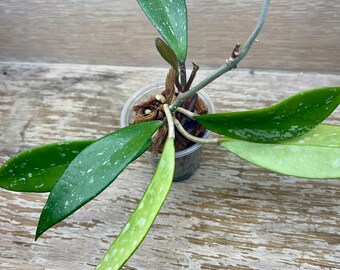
<point>188,153</point>
<point>287,138</point>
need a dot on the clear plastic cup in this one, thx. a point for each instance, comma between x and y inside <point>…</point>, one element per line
<point>187,160</point>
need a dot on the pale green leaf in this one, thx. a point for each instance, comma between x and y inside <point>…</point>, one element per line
<point>144,215</point>
<point>313,155</point>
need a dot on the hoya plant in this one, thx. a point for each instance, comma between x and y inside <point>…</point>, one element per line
<point>287,138</point>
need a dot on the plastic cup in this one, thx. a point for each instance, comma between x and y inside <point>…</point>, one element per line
<point>187,160</point>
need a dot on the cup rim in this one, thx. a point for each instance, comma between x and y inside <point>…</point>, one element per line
<point>150,87</point>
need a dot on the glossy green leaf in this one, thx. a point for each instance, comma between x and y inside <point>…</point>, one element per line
<point>93,170</point>
<point>288,119</point>
<point>144,215</point>
<point>167,53</point>
<point>313,155</point>
<point>38,169</point>
<point>169,17</point>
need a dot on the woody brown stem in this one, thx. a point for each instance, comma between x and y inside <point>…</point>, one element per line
<point>183,75</point>
<point>191,78</point>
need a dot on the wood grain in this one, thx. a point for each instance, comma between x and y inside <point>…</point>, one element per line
<point>298,35</point>
<point>229,215</point>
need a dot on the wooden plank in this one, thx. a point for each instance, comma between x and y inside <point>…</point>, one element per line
<point>229,215</point>
<point>298,35</point>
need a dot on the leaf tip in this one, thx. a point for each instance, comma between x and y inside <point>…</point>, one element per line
<point>38,233</point>
<point>41,227</point>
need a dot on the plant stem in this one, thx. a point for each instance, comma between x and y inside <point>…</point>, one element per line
<point>171,128</point>
<point>231,64</point>
<point>183,75</point>
<point>192,138</point>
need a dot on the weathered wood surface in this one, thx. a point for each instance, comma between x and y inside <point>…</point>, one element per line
<point>229,215</point>
<point>298,35</point>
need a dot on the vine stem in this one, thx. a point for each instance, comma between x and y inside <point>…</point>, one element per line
<point>192,138</point>
<point>171,127</point>
<point>230,64</point>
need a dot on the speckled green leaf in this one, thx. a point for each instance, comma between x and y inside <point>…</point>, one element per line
<point>38,169</point>
<point>167,53</point>
<point>93,170</point>
<point>316,154</point>
<point>288,119</point>
<point>169,17</point>
<point>144,215</point>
